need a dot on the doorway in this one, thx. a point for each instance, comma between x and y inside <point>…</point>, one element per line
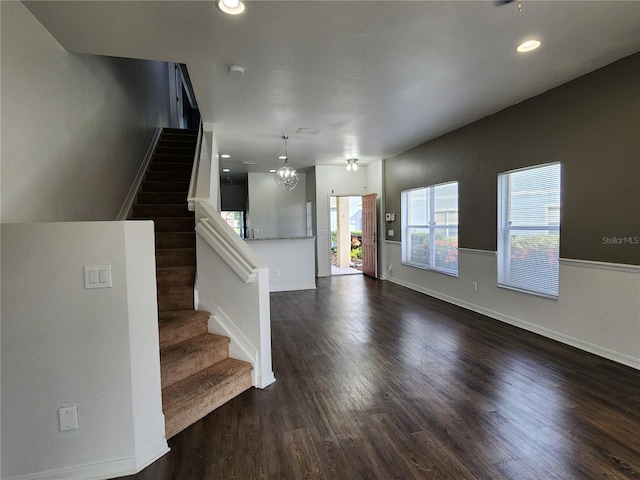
<point>352,244</point>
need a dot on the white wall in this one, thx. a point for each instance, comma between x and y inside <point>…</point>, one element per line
<point>65,345</point>
<point>291,262</point>
<point>332,180</point>
<point>273,211</point>
<point>208,185</point>
<point>248,322</point>
<point>75,128</point>
<point>597,308</point>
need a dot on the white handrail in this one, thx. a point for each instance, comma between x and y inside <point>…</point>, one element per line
<point>193,183</point>
<point>237,263</point>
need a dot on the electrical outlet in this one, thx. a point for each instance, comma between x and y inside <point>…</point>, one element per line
<point>474,285</point>
<point>277,273</point>
<point>68,418</point>
<point>390,267</point>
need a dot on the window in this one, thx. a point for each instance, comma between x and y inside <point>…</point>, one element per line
<point>235,219</point>
<point>529,230</point>
<point>430,227</point>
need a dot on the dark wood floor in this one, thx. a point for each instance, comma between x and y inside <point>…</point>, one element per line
<point>375,381</point>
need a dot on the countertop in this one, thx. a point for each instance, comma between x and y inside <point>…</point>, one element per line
<point>279,238</point>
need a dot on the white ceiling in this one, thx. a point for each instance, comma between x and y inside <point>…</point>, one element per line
<point>376,77</point>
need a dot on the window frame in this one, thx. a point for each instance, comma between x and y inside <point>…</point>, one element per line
<point>430,226</point>
<point>504,227</point>
<point>240,229</point>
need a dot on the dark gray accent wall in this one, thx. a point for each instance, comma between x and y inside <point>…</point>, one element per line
<point>590,125</point>
<point>233,197</point>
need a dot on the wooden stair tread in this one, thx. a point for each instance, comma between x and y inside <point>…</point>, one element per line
<point>189,400</point>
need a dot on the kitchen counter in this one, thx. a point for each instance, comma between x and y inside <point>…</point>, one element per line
<point>291,261</point>
<point>278,238</point>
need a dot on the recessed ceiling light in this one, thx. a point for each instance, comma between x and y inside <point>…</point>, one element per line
<point>232,7</point>
<point>528,46</point>
<point>225,155</point>
<point>282,157</point>
<point>272,171</point>
<point>226,170</point>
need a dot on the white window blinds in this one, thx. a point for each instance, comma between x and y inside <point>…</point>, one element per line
<point>430,227</point>
<point>529,229</point>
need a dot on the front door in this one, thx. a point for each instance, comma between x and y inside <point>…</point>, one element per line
<point>369,235</point>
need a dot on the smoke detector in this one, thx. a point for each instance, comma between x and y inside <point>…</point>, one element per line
<point>236,70</point>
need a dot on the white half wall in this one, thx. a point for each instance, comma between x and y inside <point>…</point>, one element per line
<point>598,308</point>
<point>275,212</point>
<point>208,182</point>
<point>239,310</point>
<point>291,262</point>
<point>65,345</point>
<point>75,128</point>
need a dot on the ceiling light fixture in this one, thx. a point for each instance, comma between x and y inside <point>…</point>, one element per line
<point>286,177</point>
<point>528,46</point>
<point>225,155</point>
<point>352,164</point>
<point>226,170</point>
<point>232,7</point>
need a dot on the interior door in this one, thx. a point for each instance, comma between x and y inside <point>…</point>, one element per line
<point>369,254</point>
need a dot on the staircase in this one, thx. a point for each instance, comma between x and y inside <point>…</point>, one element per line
<point>196,372</point>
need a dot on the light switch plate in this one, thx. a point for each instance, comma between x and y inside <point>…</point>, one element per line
<point>97,276</point>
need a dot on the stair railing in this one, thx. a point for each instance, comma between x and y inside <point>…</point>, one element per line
<point>232,281</point>
<point>195,170</point>
<point>235,260</point>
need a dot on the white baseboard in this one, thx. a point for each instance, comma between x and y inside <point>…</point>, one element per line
<point>135,186</point>
<point>292,287</point>
<point>102,470</point>
<point>545,332</point>
<point>240,347</point>
<point>263,381</point>
<point>151,454</point>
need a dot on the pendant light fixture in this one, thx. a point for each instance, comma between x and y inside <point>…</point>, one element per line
<point>286,177</point>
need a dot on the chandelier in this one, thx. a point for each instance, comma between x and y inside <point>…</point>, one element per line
<point>286,177</point>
